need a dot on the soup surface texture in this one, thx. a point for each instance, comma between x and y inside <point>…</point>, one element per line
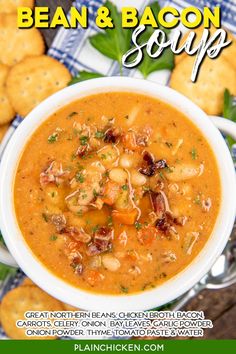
<point>117,192</point>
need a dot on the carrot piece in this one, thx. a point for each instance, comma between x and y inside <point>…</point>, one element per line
<point>93,276</point>
<point>129,141</point>
<point>111,192</point>
<point>126,217</point>
<point>147,235</point>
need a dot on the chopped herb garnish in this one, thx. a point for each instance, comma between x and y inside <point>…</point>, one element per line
<point>80,167</point>
<point>45,217</point>
<point>76,132</point>
<point>103,156</point>
<point>95,228</point>
<point>193,154</point>
<point>109,221</point>
<point>99,135</point>
<point>72,114</point>
<point>161,175</point>
<point>83,140</point>
<point>84,196</point>
<point>95,193</point>
<point>53,237</point>
<point>138,225</point>
<point>53,138</point>
<point>197,200</point>
<point>73,157</point>
<point>148,285</point>
<point>125,187</point>
<point>53,194</point>
<point>146,189</point>
<point>124,289</point>
<point>168,169</point>
<point>79,177</point>
<point>168,144</point>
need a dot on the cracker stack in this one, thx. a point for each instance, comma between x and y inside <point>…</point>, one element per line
<point>27,76</point>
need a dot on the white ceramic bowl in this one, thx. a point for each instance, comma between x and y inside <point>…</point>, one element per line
<point>172,288</point>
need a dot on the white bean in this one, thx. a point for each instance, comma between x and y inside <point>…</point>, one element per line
<point>118,175</point>
<point>126,161</point>
<point>132,115</point>
<point>137,179</point>
<point>110,262</point>
<point>182,172</point>
<point>108,154</point>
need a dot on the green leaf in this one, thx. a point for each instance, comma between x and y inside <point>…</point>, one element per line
<point>165,60</point>
<point>113,42</point>
<point>229,112</point>
<point>150,65</point>
<point>83,76</point>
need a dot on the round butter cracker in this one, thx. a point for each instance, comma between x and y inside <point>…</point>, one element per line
<point>6,110</point>
<point>228,53</point>
<point>19,300</point>
<point>27,282</point>
<point>34,79</point>
<point>16,44</point>
<point>10,6</point>
<point>215,75</point>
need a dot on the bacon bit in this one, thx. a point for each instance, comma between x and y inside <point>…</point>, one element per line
<point>72,252</point>
<point>53,174</point>
<point>148,158</point>
<point>158,204</point>
<point>78,234</point>
<point>93,277</point>
<point>180,220</point>
<point>123,238</point>
<point>59,221</point>
<point>83,150</point>
<point>150,165</point>
<point>77,266</point>
<point>112,135</point>
<point>102,241</point>
<point>165,225</point>
<point>143,137</point>
<point>206,205</point>
<point>147,235</point>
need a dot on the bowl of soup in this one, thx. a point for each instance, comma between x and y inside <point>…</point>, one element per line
<point>116,194</point>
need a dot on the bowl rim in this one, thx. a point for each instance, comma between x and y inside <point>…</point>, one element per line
<point>172,288</point>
